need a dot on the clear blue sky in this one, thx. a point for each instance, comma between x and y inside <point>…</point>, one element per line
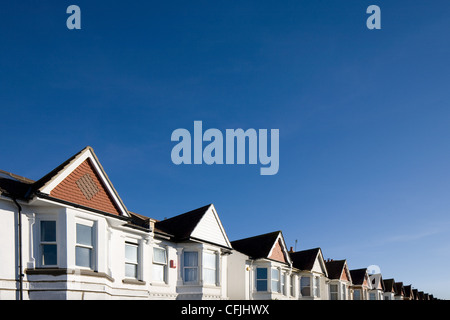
<point>364,115</point>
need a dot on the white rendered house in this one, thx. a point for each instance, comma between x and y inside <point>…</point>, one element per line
<point>312,274</point>
<point>339,279</point>
<point>68,235</point>
<point>260,269</point>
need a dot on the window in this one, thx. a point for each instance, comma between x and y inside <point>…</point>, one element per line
<point>372,296</point>
<point>190,266</point>
<point>84,250</point>
<point>333,292</point>
<point>210,268</point>
<point>343,291</point>
<point>131,260</point>
<point>275,280</point>
<point>292,286</point>
<point>48,246</point>
<point>305,286</point>
<point>159,264</point>
<point>261,279</point>
<point>317,287</point>
<point>283,283</point>
<point>357,294</point>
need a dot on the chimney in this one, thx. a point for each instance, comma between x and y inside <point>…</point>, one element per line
<point>291,249</point>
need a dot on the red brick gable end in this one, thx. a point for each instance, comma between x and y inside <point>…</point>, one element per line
<point>278,253</point>
<point>83,186</point>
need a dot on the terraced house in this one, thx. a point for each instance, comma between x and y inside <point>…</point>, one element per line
<point>69,235</point>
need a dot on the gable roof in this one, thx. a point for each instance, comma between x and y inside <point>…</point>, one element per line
<point>189,226</point>
<point>305,259</point>
<point>415,294</point>
<point>335,268</point>
<point>389,285</point>
<point>377,281</point>
<point>22,188</point>
<point>358,276</point>
<point>262,246</point>
<point>399,290</point>
<point>408,291</point>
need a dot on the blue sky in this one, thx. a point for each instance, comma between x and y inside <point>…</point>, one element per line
<point>363,115</point>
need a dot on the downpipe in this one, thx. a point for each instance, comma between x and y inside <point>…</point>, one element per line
<point>19,221</point>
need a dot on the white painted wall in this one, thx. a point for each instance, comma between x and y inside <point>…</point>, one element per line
<point>107,280</point>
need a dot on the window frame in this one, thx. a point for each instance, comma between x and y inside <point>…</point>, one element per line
<point>303,286</point>
<point>43,243</point>
<point>196,267</point>
<point>215,269</point>
<point>359,292</point>
<point>316,286</point>
<point>335,293</point>
<point>261,279</point>
<point>92,247</point>
<point>276,281</point>
<point>343,291</point>
<point>292,285</point>
<point>160,264</point>
<point>136,263</point>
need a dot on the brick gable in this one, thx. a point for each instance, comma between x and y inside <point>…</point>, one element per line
<point>344,276</point>
<point>278,253</point>
<point>84,187</point>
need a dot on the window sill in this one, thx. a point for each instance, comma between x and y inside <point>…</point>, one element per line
<point>64,271</point>
<point>159,284</point>
<point>133,281</point>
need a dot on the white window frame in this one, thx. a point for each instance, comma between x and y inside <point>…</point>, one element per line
<point>215,269</point>
<point>92,247</point>
<point>160,264</point>
<point>360,294</point>
<point>334,293</point>
<point>343,291</point>
<point>266,279</point>
<point>316,286</point>
<point>305,286</point>
<point>136,263</point>
<point>283,277</point>
<point>276,281</point>
<point>292,285</point>
<point>43,243</point>
<point>196,267</point>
